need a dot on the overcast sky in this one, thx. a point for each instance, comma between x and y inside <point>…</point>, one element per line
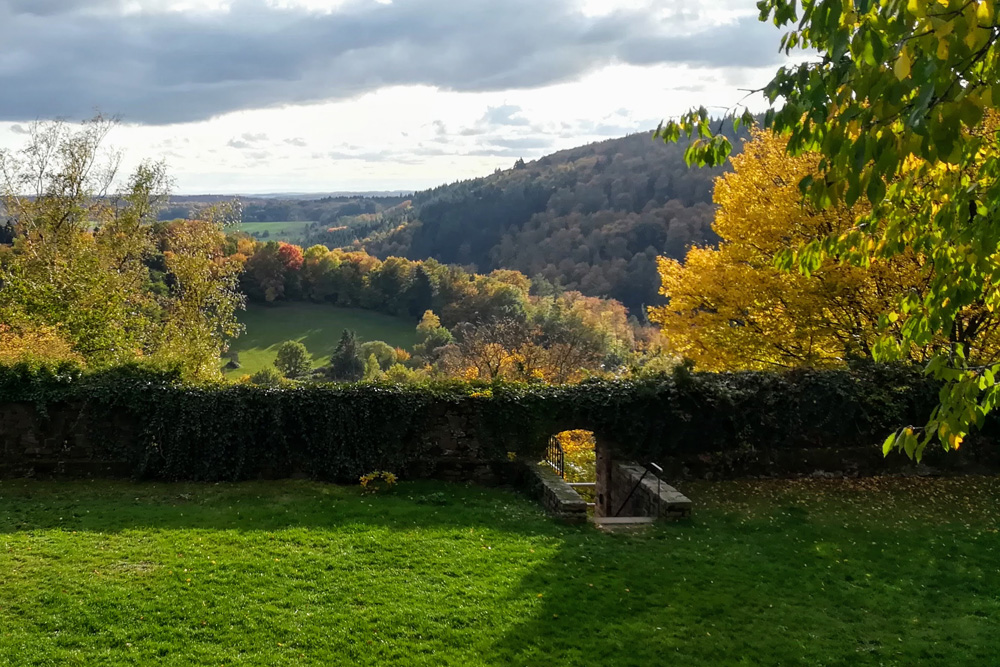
<point>244,96</point>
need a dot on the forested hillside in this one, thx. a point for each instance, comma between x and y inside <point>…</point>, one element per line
<point>592,219</point>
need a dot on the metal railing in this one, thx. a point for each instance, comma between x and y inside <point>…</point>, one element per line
<point>555,456</point>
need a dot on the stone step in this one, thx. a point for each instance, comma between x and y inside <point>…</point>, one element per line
<point>622,520</point>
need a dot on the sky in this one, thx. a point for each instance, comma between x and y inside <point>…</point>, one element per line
<point>264,96</point>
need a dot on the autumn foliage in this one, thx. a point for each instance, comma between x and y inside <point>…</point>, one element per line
<point>290,256</point>
<point>485,327</point>
<point>92,274</point>
<point>38,342</point>
<point>579,457</point>
<point>732,308</point>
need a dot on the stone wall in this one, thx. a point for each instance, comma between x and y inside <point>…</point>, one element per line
<point>981,456</point>
<point>619,491</point>
<point>59,441</point>
<point>55,443</point>
<point>448,442</point>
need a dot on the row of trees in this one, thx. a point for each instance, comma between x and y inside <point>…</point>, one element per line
<point>352,361</point>
<point>466,317</point>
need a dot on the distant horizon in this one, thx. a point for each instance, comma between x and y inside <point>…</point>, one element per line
<point>301,194</point>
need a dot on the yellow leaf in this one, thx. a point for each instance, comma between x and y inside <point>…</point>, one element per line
<point>984,12</point>
<point>954,440</point>
<point>902,67</point>
<point>942,49</point>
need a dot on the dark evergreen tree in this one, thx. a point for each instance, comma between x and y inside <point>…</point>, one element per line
<point>420,294</point>
<point>346,364</point>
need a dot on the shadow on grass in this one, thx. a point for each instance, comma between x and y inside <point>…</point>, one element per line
<point>792,592</point>
<point>113,506</point>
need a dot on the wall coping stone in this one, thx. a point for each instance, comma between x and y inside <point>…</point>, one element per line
<point>558,497</point>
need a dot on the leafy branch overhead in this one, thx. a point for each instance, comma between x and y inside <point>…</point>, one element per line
<point>897,103</point>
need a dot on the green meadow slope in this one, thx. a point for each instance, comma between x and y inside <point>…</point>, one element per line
<point>317,326</point>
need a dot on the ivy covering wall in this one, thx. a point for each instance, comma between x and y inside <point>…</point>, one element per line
<point>154,426</point>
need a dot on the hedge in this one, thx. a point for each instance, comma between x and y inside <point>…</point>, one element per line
<point>167,430</point>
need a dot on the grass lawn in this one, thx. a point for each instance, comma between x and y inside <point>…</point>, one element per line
<point>819,572</point>
<point>290,231</point>
<point>317,326</point>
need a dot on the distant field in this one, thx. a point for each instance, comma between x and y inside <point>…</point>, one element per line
<point>317,326</point>
<point>290,231</point>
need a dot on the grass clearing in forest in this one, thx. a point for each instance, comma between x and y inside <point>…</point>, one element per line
<point>318,326</point>
<point>811,572</point>
<point>290,231</point>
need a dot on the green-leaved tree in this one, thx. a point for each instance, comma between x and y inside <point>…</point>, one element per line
<point>293,359</point>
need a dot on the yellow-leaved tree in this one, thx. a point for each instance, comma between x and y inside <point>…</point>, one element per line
<point>731,308</point>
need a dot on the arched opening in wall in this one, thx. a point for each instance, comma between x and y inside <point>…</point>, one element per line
<point>573,456</point>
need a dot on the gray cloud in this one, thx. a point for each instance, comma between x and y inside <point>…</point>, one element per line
<point>507,114</point>
<point>17,128</point>
<point>297,141</point>
<point>502,117</point>
<point>64,58</point>
<point>247,140</point>
<point>57,7</point>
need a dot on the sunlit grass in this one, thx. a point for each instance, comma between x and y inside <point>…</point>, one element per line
<point>318,326</point>
<point>289,231</point>
<point>818,572</point>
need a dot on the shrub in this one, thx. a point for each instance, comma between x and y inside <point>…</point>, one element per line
<point>266,377</point>
<point>375,482</point>
<point>384,353</point>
